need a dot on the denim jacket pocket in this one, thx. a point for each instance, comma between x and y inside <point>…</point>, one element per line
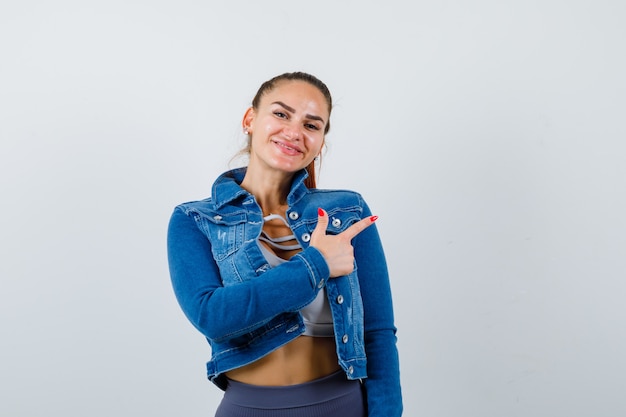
<point>340,218</point>
<point>226,231</point>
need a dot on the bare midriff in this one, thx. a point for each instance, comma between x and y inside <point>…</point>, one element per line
<point>302,360</point>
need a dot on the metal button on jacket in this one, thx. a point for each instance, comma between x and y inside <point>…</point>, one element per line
<point>293,215</point>
<point>336,222</point>
<point>340,299</point>
<point>344,339</point>
<point>306,237</point>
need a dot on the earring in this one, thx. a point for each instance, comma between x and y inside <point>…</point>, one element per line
<point>317,158</point>
<point>245,131</point>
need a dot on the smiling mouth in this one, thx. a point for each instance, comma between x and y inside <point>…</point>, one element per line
<point>287,148</point>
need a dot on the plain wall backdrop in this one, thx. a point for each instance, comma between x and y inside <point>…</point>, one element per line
<point>489,137</point>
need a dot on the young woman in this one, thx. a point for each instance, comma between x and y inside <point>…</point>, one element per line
<point>287,282</point>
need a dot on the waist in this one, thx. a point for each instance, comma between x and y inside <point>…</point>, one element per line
<point>301,360</point>
<point>329,387</point>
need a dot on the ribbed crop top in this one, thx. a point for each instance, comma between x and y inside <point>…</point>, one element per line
<point>318,320</point>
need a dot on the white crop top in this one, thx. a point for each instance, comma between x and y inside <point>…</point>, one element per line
<point>318,320</point>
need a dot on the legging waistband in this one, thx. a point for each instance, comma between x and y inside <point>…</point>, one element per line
<point>326,388</point>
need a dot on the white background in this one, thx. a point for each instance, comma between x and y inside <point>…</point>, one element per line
<point>487,135</point>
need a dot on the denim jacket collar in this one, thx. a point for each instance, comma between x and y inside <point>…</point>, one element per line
<point>227,189</point>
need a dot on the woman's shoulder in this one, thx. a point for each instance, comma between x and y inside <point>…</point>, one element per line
<point>334,193</point>
<point>335,197</point>
<point>206,204</point>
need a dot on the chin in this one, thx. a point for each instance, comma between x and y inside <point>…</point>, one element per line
<point>289,167</point>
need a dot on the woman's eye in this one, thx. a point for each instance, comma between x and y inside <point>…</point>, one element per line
<point>280,114</point>
<point>311,126</point>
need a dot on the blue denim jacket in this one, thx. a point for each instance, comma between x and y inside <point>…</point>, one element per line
<point>246,309</point>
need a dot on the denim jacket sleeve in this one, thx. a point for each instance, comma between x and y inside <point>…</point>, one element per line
<point>220,312</point>
<point>382,384</point>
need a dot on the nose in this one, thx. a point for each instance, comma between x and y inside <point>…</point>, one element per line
<point>293,132</point>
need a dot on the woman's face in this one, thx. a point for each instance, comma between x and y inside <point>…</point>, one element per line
<point>287,128</point>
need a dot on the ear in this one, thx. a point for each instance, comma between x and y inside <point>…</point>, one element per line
<point>248,118</point>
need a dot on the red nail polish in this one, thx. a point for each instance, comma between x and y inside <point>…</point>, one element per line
<point>373,218</point>
<point>320,212</point>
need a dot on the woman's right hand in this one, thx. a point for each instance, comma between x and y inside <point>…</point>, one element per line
<point>337,249</point>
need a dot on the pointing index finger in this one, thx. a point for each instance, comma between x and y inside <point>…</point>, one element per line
<point>358,227</point>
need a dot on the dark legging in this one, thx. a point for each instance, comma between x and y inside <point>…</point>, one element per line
<point>330,396</point>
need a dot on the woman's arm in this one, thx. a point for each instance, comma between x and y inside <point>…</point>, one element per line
<point>221,312</point>
<point>383,372</point>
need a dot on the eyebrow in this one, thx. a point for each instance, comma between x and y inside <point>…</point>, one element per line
<point>292,110</point>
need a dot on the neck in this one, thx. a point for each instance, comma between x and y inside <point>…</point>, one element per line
<point>270,189</point>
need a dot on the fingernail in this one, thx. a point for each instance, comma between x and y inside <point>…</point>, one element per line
<point>373,218</point>
<point>320,212</point>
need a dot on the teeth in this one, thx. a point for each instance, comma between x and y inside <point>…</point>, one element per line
<point>287,147</point>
